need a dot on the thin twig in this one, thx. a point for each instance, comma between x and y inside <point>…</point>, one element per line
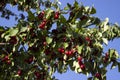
<point>1,44</point>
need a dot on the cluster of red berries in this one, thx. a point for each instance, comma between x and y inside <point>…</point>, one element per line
<point>56,16</point>
<point>82,66</point>
<point>41,15</point>
<point>29,60</point>
<point>44,22</point>
<point>89,41</point>
<point>61,50</point>
<point>7,60</point>
<point>19,72</point>
<point>67,52</point>
<point>98,75</point>
<point>37,74</point>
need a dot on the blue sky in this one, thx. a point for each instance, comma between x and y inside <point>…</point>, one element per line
<point>105,8</point>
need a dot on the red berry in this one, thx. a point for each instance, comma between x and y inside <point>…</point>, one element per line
<point>44,43</point>
<point>64,39</point>
<point>56,16</point>
<point>8,62</point>
<point>79,58</point>
<point>87,39</point>
<point>19,72</point>
<point>80,63</point>
<point>13,40</point>
<point>40,16</point>
<point>72,51</point>
<point>61,50</point>
<point>83,17</point>
<point>98,75</point>
<point>67,52</point>
<point>29,60</point>
<point>42,25</point>
<point>107,55</point>
<point>82,66</point>
<point>6,58</point>
<point>37,74</point>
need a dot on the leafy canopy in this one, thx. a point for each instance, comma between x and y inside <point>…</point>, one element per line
<point>45,41</point>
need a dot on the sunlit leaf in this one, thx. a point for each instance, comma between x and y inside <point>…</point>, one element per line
<point>49,40</point>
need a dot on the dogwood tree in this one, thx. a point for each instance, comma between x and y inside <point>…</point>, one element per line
<point>45,41</point>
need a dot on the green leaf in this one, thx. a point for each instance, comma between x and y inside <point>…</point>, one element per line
<point>87,8</point>
<point>66,8</point>
<point>13,32</point>
<point>116,55</point>
<point>31,16</point>
<point>90,78</point>
<point>77,67</point>
<point>23,29</point>
<point>105,41</point>
<point>106,28</point>
<point>49,40</point>
<point>65,45</point>
<point>93,10</point>
<point>79,49</point>
<point>49,13</point>
<point>62,19</point>
<point>76,4</point>
<point>96,78</point>
<point>111,51</point>
<point>1,28</point>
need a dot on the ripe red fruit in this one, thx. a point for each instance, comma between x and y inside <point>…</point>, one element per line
<point>8,62</point>
<point>44,43</point>
<point>98,75</point>
<point>42,25</point>
<point>64,39</point>
<point>79,58</point>
<point>82,67</point>
<point>83,18</point>
<point>71,14</point>
<point>29,60</point>
<point>67,52</point>
<point>19,72</point>
<point>70,52</point>
<point>61,50</point>
<point>56,16</point>
<point>107,55</point>
<point>37,74</point>
<point>13,40</point>
<point>87,39</point>
<point>6,58</point>
<point>106,58</point>
<point>40,16</point>
<point>80,63</point>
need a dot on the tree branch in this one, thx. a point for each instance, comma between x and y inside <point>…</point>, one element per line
<point>2,44</point>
